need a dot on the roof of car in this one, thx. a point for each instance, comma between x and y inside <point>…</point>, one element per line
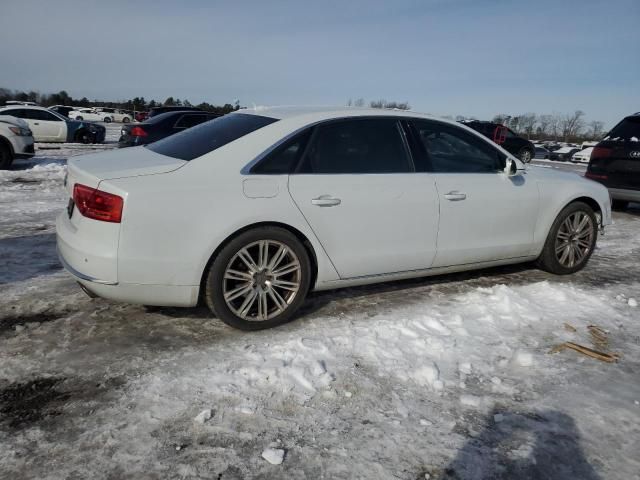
<point>323,113</point>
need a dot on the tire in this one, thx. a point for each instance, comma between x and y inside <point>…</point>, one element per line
<point>83,136</point>
<point>268,305</point>
<point>6,157</point>
<point>79,118</point>
<point>569,247</point>
<point>107,120</point>
<point>525,155</point>
<point>619,205</point>
<point>126,120</point>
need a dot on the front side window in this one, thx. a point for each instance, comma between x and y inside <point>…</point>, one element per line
<point>452,150</point>
<point>372,145</point>
<point>209,136</point>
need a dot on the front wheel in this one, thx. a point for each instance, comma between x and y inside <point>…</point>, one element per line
<point>571,240</point>
<point>259,279</point>
<point>126,120</point>
<point>107,119</point>
<point>525,155</point>
<point>79,118</point>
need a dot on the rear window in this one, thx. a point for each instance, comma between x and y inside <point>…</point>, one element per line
<point>209,136</point>
<point>628,130</point>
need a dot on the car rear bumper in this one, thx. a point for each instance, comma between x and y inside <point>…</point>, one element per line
<point>92,261</point>
<point>625,194</point>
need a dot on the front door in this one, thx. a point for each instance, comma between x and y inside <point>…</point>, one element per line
<point>485,214</point>
<point>357,189</point>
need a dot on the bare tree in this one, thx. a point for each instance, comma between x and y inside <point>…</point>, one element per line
<point>359,102</point>
<point>571,124</point>
<point>596,129</point>
<point>554,124</point>
<point>528,123</point>
<point>544,121</point>
<point>382,103</point>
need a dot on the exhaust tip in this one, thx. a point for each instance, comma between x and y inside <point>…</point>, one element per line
<point>89,293</point>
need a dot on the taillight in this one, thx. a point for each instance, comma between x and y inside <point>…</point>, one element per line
<point>600,152</point>
<point>138,132</point>
<point>96,204</point>
<point>595,176</point>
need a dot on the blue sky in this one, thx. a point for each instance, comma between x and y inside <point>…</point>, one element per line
<point>455,57</point>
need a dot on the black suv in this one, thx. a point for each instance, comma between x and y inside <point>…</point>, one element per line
<point>512,143</point>
<point>615,162</point>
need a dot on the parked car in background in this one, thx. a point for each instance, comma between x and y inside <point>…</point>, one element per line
<point>615,162</point>
<point>141,116</point>
<point>158,110</point>
<point>20,102</point>
<point>63,109</point>
<point>563,154</point>
<point>254,209</point>
<point>90,115</point>
<point>16,140</point>
<point>505,137</point>
<point>541,152</point>
<point>48,126</point>
<point>116,114</point>
<point>161,126</point>
<point>582,156</point>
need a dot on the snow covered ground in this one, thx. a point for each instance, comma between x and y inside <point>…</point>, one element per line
<point>447,377</point>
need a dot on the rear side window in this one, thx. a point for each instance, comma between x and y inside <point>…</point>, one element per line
<point>209,136</point>
<point>357,146</point>
<point>452,150</point>
<point>190,120</point>
<point>628,130</point>
<point>285,157</point>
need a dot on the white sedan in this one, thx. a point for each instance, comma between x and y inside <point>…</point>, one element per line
<point>583,156</point>
<point>253,210</point>
<point>90,115</point>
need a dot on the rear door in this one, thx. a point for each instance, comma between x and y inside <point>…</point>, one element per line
<point>485,215</point>
<point>357,188</point>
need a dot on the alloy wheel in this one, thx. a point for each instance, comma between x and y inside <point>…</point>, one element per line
<point>261,280</point>
<point>574,239</point>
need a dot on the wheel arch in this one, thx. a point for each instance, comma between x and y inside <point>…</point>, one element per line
<point>299,235</point>
<point>4,141</point>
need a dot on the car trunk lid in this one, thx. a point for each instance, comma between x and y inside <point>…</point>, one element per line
<point>91,169</point>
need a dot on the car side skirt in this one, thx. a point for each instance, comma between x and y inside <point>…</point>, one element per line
<point>429,272</point>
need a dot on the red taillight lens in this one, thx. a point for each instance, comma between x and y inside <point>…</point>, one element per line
<point>600,152</point>
<point>138,132</point>
<point>596,176</point>
<point>98,205</point>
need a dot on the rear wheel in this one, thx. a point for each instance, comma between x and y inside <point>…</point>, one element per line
<point>525,155</point>
<point>571,240</point>
<point>126,120</point>
<point>79,118</point>
<point>6,158</point>
<point>619,204</point>
<point>259,279</point>
<point>107,120</point>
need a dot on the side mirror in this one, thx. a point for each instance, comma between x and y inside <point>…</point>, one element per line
<point>511,167</point>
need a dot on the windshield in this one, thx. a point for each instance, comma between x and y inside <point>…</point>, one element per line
<point>207,137</point>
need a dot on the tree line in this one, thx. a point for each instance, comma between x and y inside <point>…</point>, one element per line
<point>138,104</point>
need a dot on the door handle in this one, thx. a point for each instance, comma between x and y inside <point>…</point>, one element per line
<point>36,123</point>
<point>455,196</point>
<point>325,201</point>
